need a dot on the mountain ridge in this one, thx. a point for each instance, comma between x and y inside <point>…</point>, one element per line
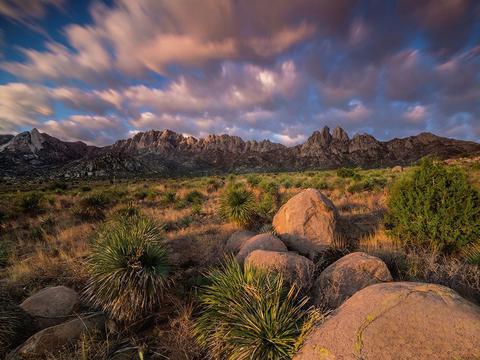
<point>165,152</point>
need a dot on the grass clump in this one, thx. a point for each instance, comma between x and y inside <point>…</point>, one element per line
<point>92,207</point>
<point>348,173</point>
<point>247,313</point>
<point>434,207</point>
<point>31,202</point>
<point>237,205</point>
<point>129,267</point>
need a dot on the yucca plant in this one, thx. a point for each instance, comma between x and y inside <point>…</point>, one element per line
<point>471,253</point>
<point>247,313</point>
<point>15,325</point>
<point>238,205</point>
<point>129,267</point>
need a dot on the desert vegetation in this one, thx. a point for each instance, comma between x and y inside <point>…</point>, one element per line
<point>152,255</point>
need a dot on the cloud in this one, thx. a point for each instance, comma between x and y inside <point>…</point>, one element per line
<point>97,130</point>
<point>25,10</point>
<point>151,35</point>
<point>21,105</point>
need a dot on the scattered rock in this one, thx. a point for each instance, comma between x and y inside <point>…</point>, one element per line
<point>54,338</point>
<point>236,240</point>
<point>348,275</point>
<point>294,267</point>
<point>51,305</point>
<point>307,222</point>
<point>264,241</point>
<point>404,320</point>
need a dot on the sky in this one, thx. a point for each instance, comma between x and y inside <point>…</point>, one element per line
<point>99,71</point>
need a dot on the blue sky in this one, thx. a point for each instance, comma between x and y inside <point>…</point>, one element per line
<point>98,71</point>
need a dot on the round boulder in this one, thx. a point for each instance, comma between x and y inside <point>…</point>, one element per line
<point>50,305</point>
<point>401,320</point>
<point>307,222</point>
<point>348,275</point>
<point>294,267</point>
<point>236,240</point>
<point>264,241</point>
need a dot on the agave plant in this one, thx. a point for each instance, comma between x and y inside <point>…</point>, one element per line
<point>129,267</point>
<point>238,205</point>
<point>15,325</point>
<point>247,313</point>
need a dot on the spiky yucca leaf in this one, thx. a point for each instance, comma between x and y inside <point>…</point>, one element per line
<point>471,253</point>
<point>129,267</point>
<point>251,314</point>
<point>238,205</point>
<point>15,325</point>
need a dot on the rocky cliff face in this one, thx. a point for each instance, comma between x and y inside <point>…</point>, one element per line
<point>166,152</point>
<point>31,153</point>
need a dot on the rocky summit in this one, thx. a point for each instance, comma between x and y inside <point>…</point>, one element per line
<point>166,152</point>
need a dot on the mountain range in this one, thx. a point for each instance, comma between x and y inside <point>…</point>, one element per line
<point>159,153</point>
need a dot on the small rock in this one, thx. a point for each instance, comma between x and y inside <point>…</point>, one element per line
<point>404,320</point>
<point>264,241</point>
<point>307,222</point>
<point>54,338</point>
<point>348,275</point>
<point>236,240</point>
<point>294,267</point>
<point>51,305</point>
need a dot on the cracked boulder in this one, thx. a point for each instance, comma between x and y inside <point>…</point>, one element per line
<point>307,223</point>
<point>348,275</point>
<point>402,320</point>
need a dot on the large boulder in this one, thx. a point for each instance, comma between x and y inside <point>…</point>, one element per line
<point>307,223</point>
<point>398,321</point>
<point>348,275</point>
<point>236,240</point>
<point>264,241</point>
<point>294,267</point>
<point>51,305</point>
<point>53,339</point>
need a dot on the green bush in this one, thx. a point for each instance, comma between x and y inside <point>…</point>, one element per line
<point>31,202</point>
<point>237,204</point>
<point>253,180</point>
<point>92,207</point>
<point>168,197</point>
<point>246,313</point>
<point>129,268</point>
<point>435,206</point>
<point>194,197</point>
<point>346,173</point>
<point>267,206</point>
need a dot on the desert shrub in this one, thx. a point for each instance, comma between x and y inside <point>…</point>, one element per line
<point>253,179</point>
<point>213,185</point>
<point>168,197</point>
<point>85,188</point>
<point>346,173</point>
<point>247,313</point>
<point>269,186</point>
<point>237,204</point>
<point>436,207</point>
<point>31,202</point>
<point>15,325</point>
<point>128,211</point>
<point>369,184</point>
<point>267,206</point>
<point>92,207</point>
<point>129,267</point>
<point>3,254</point>
<point>196,209</point>
<point>59,185</point>
<point>194,197</point>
